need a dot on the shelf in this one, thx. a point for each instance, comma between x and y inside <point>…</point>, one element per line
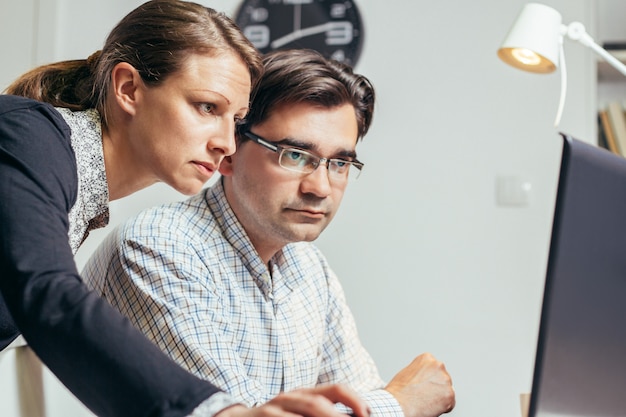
<point>606,73</point>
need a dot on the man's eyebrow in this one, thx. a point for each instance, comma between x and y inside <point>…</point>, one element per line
<point>296,143</point>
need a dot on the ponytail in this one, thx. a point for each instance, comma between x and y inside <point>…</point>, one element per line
<point>156,38</point>
<point>66,84</point>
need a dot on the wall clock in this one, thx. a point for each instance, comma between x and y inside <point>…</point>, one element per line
<point>332,27</point>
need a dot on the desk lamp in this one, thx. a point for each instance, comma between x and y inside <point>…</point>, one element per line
<point>535,44</point>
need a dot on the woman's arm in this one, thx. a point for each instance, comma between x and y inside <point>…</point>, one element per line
<point>90,347</point>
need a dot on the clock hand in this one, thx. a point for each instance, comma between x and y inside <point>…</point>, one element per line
<point>297,17</point>
<point>301,33</point>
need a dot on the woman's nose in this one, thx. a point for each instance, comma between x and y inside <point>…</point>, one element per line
<point>224,140</point>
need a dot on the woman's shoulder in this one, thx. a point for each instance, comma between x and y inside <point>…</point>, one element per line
<point>36,134</point>
<point>11,103</point>
<point>28,113</point>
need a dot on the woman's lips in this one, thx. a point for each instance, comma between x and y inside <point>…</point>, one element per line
<point>207,169</point>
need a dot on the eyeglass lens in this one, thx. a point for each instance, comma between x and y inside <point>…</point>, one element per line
<point>302,161</point>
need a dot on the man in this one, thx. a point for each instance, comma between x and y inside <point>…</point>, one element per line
<point>228,283</point>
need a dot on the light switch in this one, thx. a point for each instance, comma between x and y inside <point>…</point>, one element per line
<point>512,191</point>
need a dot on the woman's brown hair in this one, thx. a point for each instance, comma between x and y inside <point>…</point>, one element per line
<point>155,39</point>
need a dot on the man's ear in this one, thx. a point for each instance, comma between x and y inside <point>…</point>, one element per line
<point>125,81</point>
<point>226,166</point>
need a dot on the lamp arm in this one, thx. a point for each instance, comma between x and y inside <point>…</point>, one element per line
<point>576,31</point>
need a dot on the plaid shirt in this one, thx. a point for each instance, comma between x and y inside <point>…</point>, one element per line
<point>187,275</point>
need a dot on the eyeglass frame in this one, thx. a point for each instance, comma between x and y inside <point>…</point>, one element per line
<point>279,149</point>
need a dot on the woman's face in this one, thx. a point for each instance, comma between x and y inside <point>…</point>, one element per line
<point>182,129</point>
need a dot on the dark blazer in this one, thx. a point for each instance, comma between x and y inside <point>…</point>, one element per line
<point>93,350</point>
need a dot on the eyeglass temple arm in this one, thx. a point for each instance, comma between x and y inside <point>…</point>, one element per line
<point>261,141</point>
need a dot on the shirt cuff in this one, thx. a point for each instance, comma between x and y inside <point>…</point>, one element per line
<point>213,405</point>
<point>382,403</point>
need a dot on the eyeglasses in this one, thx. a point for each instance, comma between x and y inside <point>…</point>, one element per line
<point>299,160</point>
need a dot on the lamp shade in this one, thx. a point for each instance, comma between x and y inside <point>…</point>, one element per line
<point>533,42</point>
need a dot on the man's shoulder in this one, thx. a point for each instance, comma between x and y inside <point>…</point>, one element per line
<point>184,218</point>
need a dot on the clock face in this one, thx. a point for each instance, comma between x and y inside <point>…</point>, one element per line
<point>332,27</point>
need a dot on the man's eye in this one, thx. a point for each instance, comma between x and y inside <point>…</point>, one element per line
<point>295,155</point>
<point>297,158</point>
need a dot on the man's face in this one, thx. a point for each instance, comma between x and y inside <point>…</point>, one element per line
<point>277,206</point>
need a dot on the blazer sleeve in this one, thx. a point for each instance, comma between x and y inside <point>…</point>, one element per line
<point>93,350</point>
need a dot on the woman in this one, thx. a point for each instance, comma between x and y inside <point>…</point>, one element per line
<point>159,103</point>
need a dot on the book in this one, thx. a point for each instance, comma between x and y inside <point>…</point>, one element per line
<point>606,136</point>
<point>617,122</point>
<point>614,45</point>
<point>601,136</point>
<point>617,49</point>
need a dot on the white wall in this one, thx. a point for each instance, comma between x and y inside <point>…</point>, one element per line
<point>432,263</point>
<point>429,261</point>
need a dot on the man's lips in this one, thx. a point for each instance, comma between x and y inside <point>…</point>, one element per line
<point>309,212</point>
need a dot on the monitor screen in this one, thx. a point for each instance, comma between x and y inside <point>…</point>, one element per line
<point>580,365</point>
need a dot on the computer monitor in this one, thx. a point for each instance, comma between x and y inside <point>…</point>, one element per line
<point>580,365</point>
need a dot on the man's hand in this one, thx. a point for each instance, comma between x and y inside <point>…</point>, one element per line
<point>312,402</point>
<point>424,388</point>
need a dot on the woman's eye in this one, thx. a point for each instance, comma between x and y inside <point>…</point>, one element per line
<point>206,107</point>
